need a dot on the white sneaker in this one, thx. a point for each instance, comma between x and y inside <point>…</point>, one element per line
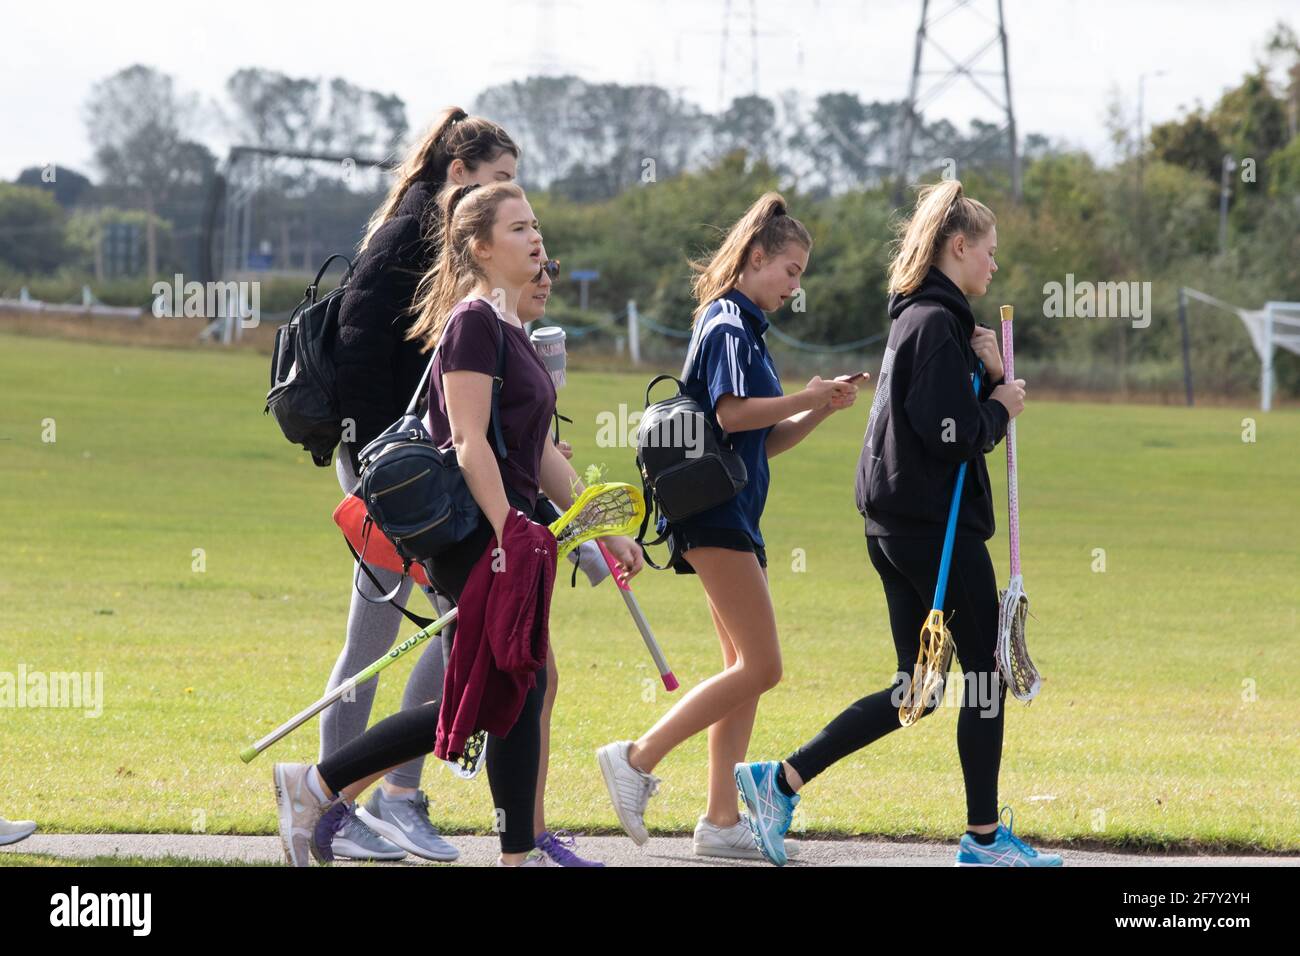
<point>629,789</point>
<point>299,811</point>
<point>733,842</point>
<point>534,858</point>
<point>11,831</point>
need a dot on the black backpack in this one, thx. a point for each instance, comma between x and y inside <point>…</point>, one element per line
<point>677,483</point>
<point>303,397</point>
<point>414,491</point>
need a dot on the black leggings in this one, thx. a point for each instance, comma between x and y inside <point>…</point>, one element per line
<point>908,568</point>
<point>512,760</point>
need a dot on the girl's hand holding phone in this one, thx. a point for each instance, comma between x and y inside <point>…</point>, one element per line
<point>846,398</point>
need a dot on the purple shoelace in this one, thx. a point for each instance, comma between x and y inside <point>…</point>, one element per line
<point>328,825</point>
<point>559,847</point>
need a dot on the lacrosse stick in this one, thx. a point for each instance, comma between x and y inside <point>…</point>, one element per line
<point>472,757</point>
<point>1017,670</point>
<point>642,625</point>
<point>935,652</point>
<point>549,343</point>
<point>470,760</point>
<point>604,509</point>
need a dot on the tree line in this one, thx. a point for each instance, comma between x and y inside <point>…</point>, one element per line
<point>632,181</point>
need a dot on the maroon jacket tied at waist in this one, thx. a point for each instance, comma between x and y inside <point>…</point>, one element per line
<point>501,635</point>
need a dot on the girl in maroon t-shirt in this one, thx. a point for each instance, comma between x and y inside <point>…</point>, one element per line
<point>377,370</point>
<point>491,251</point>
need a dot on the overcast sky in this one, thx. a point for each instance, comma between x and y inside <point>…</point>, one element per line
<point>1066,55</point>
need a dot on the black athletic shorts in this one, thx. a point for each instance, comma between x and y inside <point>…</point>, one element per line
<point>684,537</point>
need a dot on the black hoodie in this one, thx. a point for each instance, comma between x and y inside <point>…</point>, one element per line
<point>378,368</point>
<point>926,419</point>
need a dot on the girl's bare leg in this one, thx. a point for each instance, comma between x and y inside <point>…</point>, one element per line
<point>738,594</point>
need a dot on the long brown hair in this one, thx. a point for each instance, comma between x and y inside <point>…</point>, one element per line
<point>454,135</point>
<point>468,213</point>
<point>766,223</point>
<point>942,211</point>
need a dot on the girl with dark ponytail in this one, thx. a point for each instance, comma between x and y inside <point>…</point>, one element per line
<point>729,372</point>
<point>379,367</point>
<point>491,254</point>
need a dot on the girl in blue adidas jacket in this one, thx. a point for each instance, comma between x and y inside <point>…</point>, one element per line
<point>730,373</point>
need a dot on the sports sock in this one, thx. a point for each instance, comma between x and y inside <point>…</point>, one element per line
<point>314,785</point>
<point>781,783</point>
<point>983,839</point>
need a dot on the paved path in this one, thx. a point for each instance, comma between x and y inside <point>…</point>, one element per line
<point>613,850</point>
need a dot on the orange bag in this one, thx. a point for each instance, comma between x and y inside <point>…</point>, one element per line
<point>369,546</point>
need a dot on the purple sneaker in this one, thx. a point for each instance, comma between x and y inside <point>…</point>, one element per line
<point>559,847</point>
<point>322,838</point>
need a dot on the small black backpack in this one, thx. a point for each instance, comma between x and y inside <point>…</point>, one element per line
<point>687,465</point>
<point>413,490</point>
<point>303,396</point>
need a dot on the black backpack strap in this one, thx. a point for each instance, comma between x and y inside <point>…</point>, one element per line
<point>660,540</point>
<point>309,297</point>
<point>416,619</point>
<point>560,418</point>
<point>498,437</point>
<point>321,274</point>
<point>651,509</point>
<point>681,386</point>
<point>422,389</point>
<point>497,381</point>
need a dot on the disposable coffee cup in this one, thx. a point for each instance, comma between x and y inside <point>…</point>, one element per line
<point>549,343</point>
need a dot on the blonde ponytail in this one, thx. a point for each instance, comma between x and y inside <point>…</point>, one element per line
<point>942,211</point>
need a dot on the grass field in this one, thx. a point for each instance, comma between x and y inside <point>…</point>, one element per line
<point>1169,717</point>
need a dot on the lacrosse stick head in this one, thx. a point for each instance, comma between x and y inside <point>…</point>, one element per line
<point>932,662</point>
<point>608,508</point>
<point>1017,670</point>
<point>471,759</point>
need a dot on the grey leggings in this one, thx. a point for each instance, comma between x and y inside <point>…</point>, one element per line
<point>372,631</point>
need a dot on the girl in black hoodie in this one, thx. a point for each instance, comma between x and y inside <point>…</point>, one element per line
<point>378,368</point>
<point>925,420</point>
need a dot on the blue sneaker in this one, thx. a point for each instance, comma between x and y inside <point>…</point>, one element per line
<point>1006,849</point>
<point>770,810</point>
